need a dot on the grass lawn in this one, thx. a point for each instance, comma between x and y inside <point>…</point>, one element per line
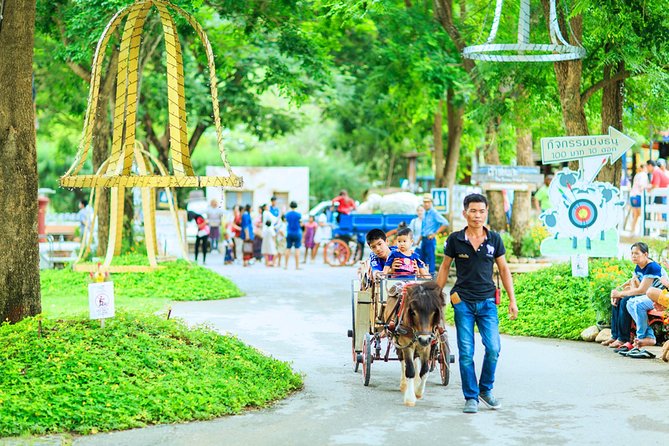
<point>62,373</point>
<point>65,292</point>
<point>73,376</point>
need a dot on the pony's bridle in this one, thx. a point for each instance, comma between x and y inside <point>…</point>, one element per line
<point>397,328</point>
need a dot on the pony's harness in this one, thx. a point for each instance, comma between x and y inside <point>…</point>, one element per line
<point>397,329</point>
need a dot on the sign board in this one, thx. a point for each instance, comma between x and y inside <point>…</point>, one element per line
<point>167,237</point>
<point>440,199</point>
<point>568,148</point>
<point>493,177</point>
<point>579,265</point>
<point>101,300</point>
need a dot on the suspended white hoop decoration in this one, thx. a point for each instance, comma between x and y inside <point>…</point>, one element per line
<point>524,51</point>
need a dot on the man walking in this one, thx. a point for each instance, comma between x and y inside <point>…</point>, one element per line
<point>433,224</point>
<point>475,249</point>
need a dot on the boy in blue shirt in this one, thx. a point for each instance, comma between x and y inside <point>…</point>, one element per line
<point>410,263</point>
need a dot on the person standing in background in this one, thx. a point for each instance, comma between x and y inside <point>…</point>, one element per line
<point>84,217</point>
<point>293,234</point>
<point>343,203</point>
<point>309,238</point>
<point>541,199</point>
<point>247,235</point>
<point>215,218</point>
<point>416,226</point>
<point>639,185</point>
<point>433,224</point>
<point>273,209</point>
<point>236,228</point>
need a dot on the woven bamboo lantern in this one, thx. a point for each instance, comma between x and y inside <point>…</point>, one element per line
<point>117,172</point>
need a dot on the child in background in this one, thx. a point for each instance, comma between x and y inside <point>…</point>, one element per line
<point>229,246</point>
<point>280,229</point>
<point>268,243</point>
<point>309,242</point>
<point>411,264</point>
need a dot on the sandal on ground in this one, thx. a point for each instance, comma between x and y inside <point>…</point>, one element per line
<point>630,352</point>
<point>608,341</point>
<point>627,346</point>
<point>641,354</point>
<point>616,344</point>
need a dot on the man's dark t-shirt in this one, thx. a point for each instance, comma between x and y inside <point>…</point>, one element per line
<point>474,268</point>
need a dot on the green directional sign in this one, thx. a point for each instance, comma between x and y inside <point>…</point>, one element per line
<point>568,148</point>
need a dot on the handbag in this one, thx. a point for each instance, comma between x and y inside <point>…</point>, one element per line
<point>247,247</point>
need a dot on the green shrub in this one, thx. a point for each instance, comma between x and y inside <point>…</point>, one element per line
<point>553,304</point>
<point>65,292</point>
<point>530,243</point>
<point>73,376</point>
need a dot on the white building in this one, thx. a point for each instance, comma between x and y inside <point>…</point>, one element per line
<point>262,183</point>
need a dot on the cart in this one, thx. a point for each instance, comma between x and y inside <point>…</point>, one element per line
<point>371,336</point>
<point>348,236</point>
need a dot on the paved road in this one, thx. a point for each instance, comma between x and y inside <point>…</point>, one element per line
<point>553,392</point>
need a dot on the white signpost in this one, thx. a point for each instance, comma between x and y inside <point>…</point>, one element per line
<point>585,213</point>
<point>569,148</point>
<point>101,300</point>
<point>440,199</point>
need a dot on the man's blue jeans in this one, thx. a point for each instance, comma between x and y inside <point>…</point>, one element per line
<point>484,315</point>
<point>638,308</point>
<point>427,248</point>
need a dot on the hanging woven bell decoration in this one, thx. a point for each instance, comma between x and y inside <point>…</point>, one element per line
<point>523,51</point>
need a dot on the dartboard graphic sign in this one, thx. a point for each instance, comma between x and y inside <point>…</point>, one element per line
<point>582,213</point>
<point>583,217</point>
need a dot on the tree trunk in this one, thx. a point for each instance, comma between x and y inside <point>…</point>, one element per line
<point>455,127</point>
<point>496,215</point>
<point>568,75</point>
<point>101,151</point>
<point>19,251</point>
<point>612,115</point>
<point>102,135</point>
<point>522,200</point>
<point>438,136</point>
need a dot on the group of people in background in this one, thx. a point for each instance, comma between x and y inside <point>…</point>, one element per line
<point>649,177</point>
<point>268,234</point>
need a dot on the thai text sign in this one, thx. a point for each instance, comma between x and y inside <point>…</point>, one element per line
<point>568,148</point>
<point>508,174</point>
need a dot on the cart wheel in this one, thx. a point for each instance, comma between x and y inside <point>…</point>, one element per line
<point>366,358</point>
<point>432,362</point>
<point>352,334</point>
<point>444,359</point>
<point>336,253</point>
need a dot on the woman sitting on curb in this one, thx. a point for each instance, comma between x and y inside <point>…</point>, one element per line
<point>628,302</point>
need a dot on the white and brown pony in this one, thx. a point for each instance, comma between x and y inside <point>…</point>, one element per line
<point>414,327</point>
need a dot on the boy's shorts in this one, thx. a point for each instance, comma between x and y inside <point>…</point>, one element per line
<point>293,240</point>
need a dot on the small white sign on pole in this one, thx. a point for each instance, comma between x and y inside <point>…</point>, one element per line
<point>101,300</point>
<point>579,265</point>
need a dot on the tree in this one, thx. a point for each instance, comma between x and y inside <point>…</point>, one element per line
<point>19,252</point>
<point>395,68</point>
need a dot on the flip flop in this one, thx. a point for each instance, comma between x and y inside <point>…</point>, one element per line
<point>627,346</point>
<point>630,352</point>
<point>641,354</point>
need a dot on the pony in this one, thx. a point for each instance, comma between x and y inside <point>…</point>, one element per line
<point>414,327</point>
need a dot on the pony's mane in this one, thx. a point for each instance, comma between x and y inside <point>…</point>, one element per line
<point>425,297</point>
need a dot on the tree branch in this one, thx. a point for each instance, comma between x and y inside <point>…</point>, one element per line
<point>621,75</point>
<point>78,69</point>
<point>197,134</point>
